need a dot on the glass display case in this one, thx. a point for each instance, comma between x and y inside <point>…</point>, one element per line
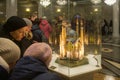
<point>79,45</point>
<point>76,37</point>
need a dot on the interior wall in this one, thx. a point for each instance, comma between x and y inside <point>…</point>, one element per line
<point>2,10</point>
<point>107,12</point>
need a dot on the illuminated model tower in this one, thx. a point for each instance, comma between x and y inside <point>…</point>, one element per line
<point>72,51</point>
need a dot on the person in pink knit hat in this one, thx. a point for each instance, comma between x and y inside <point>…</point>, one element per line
<point>34,64</point>
<point>41,51</point>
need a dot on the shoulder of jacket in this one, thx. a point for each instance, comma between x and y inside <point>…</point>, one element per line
<point>50,76</point>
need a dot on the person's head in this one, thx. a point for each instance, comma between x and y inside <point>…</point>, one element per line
<point>16,27</point>
<point>33,17</point>
<point>41,51</point>
<point>28,33</point>
<point>44,22</point>
<point>60,17</point>
<point>9,51</point>
<point>29,23</point>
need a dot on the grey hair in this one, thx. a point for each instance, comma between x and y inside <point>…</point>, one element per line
<point>28,22</point>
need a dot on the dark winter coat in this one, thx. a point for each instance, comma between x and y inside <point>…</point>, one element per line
<point>29,68</point>
<point>37,33</point>
<point>25,43</point>
<point>3,74</point>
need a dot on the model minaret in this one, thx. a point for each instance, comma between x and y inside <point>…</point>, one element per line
<point>77,27</point>
<point>81,40</point>
<point>63,42</point>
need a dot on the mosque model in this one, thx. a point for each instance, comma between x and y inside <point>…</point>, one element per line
<point>69,50</point>
<point>73,52</point>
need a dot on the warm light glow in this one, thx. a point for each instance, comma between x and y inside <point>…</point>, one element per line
<point>98,40</point>
<point>110,2</point>
<point>86,39</point>
<point>27,9</point>
<point>96,1</point>
<point>58,10</point>
<point>72,50</point>
<point>82,41</point>
<point>63,43</point>
<point>45,3</point>
<point>108,77</point>
<point>95,9</point>
<point>61,2</point>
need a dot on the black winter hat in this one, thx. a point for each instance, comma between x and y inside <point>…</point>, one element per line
<point>14,23</point>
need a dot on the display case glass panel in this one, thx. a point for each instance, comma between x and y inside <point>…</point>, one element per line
<point>79,46</point>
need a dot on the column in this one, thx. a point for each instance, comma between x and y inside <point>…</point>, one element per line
<point>40,11</point>
<point>11,8</point>
<point>116,19</point>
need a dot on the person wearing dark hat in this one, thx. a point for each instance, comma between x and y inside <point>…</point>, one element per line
<point>34,64</point>
<point>14,29</point>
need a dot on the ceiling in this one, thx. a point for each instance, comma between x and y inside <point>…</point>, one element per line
<point>26,1</point>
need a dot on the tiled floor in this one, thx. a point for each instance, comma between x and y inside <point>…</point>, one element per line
<point>100,76</point>
<point>110,51</point>
<point>111,48</point>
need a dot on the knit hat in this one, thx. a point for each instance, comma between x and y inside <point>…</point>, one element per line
<point>9,51</point>
<point>14,23</point>
<point>28,22</point>
<point>41,51</point>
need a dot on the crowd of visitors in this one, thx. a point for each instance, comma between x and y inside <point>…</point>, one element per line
<point>25,52</point>
<point>107,27</point>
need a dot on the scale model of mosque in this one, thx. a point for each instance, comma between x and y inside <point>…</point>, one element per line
<point>72,54</point>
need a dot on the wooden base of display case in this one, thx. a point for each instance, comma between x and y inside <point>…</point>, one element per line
<point>72,63</point>
<point>83,72</point>
<point>86,76</point>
